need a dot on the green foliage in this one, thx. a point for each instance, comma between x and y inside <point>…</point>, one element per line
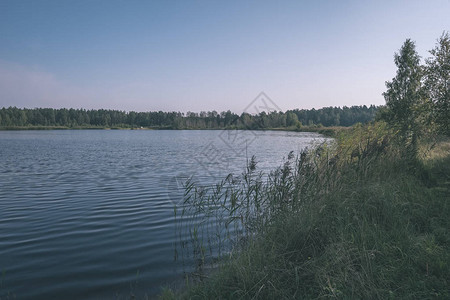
<point>291,119</point>
<point>336,116</point>
<point>437,82</point>
<point>404,97</point>
<point>418,98</point>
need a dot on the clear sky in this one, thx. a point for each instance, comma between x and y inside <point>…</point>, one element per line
<point>206,55</point>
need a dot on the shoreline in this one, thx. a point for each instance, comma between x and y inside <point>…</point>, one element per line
<point>326,131</point>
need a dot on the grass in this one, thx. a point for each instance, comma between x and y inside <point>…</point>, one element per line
<point>353,220</point>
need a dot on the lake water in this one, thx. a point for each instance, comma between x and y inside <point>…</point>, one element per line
<point>88,214</point>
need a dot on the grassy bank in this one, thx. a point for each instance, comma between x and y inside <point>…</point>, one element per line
<point>330,131</point>
<point>357,219</point>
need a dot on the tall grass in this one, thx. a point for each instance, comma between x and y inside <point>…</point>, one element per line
<point>354,219</point>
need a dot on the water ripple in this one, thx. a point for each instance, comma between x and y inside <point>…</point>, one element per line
<point>89,214</point>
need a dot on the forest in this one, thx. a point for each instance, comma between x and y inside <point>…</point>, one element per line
<point>102,118</point>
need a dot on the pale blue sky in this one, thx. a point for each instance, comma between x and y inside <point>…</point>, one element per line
<point>206,55</point>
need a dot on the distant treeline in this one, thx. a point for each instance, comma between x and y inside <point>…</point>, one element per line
<point>329,116</point>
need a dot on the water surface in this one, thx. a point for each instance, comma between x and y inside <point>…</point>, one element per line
<point>89,214</point>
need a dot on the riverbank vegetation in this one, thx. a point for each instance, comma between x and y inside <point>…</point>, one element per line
<point>365,217</point>
<point>356,219</point>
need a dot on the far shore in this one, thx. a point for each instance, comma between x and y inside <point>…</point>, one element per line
<point>326,131</point>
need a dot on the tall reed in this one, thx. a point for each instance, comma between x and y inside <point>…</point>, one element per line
<point>350,219</point>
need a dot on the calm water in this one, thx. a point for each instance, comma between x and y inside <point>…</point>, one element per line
<point>89,214</point>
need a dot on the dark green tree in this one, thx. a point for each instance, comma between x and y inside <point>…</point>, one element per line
<point>437,82</point>
<point>404,97</point>
<point>291,119</point>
